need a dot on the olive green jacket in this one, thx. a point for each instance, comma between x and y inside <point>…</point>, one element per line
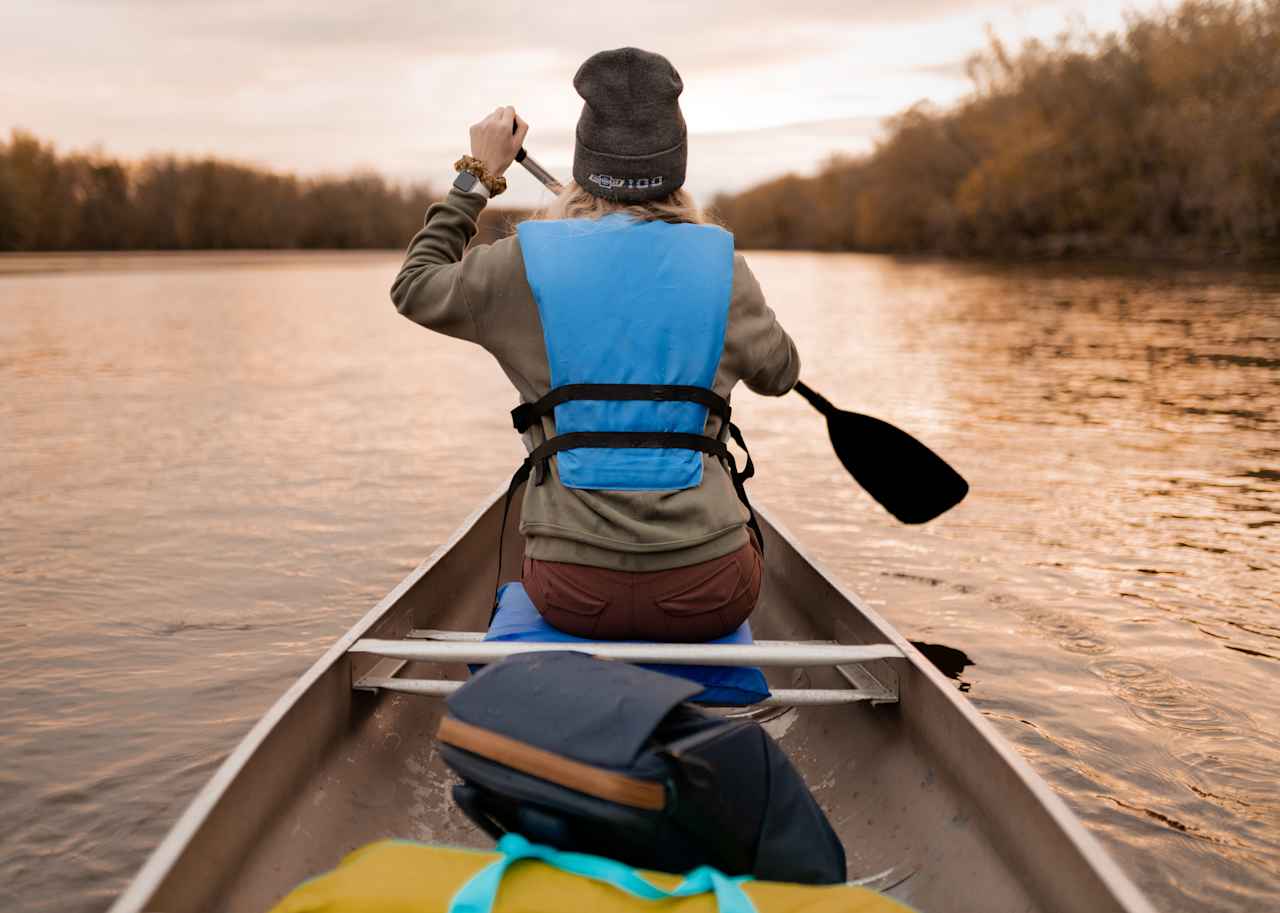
<point>480,294</point>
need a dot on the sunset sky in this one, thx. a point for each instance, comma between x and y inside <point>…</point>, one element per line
<point>318,87</point>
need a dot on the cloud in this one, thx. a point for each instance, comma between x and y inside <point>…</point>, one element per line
<point>574,27</point>
<point>394,84</point>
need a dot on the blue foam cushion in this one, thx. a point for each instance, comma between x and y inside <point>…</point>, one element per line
<point>517,619</point>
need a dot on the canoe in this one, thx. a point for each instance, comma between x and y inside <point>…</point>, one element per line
<point>933,807</point>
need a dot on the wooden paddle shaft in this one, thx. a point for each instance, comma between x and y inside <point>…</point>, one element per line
<point>531,166</point>
<point>539,172</point>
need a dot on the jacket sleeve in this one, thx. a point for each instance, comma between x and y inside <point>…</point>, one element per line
<point>430,288</point>
<point>757,347</point>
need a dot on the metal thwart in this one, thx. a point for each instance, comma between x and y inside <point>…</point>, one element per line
<point>425,645</point>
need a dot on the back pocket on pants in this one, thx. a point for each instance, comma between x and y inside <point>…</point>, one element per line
<point>703,589</point>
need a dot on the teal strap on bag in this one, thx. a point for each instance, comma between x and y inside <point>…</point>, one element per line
<point>478,894</point>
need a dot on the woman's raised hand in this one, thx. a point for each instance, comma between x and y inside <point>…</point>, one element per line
<point>496,139</point>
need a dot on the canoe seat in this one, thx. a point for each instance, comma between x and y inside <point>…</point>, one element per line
<point>517,621</point>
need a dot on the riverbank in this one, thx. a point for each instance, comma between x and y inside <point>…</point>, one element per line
<point>1158,142</point>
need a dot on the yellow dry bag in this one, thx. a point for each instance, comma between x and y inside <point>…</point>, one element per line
<point>393,876</point>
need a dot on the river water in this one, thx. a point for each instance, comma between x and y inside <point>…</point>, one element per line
<point>210,465</point>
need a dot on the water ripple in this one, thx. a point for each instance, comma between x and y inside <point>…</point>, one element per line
<point>212,473</point>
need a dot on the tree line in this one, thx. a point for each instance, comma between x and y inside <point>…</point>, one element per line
<point>1162,139</point>
<point>89,201</point>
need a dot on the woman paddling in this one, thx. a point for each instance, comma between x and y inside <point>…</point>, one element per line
<point>632,525</point>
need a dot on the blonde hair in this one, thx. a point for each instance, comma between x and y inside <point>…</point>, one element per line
<point>573,202</point>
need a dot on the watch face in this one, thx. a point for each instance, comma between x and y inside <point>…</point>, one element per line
<point>465,181</point>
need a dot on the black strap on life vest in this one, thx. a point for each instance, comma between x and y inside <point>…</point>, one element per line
<point>524,415</point>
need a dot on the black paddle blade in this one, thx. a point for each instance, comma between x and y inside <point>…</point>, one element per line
<point>907,478</point>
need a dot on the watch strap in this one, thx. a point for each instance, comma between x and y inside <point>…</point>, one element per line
<point>495,184</point>
<point>466,182</point>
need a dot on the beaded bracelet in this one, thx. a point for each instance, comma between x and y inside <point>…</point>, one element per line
<point>494,183</point>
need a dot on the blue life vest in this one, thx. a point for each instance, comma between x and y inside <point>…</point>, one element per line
<point>633,318</point>
<point>635,311</point>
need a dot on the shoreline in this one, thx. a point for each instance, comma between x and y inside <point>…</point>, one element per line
<point>34,262</point>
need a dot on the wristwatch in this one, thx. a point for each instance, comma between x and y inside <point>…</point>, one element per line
<point>466,182</point>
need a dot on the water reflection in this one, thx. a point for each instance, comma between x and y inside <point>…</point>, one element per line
<point>210,466</point>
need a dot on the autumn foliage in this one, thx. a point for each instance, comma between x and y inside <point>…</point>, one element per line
<point>92,202</point>
<point>1162,140</point>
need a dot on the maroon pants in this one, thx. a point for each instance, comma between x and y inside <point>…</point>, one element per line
<point>682,605</point>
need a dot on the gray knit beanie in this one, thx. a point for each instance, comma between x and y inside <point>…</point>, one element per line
<point>631,136</point>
